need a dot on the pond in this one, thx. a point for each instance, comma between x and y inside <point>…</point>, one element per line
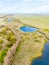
<point>10,20</point>
<point>28,29</point>
<point>44,60</point>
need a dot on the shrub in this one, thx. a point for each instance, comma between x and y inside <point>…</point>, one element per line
<point>2,55</point>
<point>1,41</point>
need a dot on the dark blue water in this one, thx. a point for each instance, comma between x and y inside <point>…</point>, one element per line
<point>28,29</point>
<point>44,60</point>
<point>10,20</point>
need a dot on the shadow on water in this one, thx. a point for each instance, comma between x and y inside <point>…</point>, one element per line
<point>44,60</point>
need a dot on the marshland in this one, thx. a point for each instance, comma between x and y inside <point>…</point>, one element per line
<point>23,38</point>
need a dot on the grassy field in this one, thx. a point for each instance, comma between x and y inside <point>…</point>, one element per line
<point>35,20</point>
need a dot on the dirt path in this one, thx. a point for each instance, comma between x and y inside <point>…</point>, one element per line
<point>10,54</point>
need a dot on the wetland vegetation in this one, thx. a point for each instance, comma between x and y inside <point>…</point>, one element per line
<point>21,48</point>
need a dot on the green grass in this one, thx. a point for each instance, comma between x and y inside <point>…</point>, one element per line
<point>31,44</point>
<point>29,48</point>
<point>2,55</point>
<point>35,20</point>
<point>6,41</point>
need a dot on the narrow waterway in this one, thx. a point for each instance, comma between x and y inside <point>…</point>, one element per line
<point>44,59</point>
